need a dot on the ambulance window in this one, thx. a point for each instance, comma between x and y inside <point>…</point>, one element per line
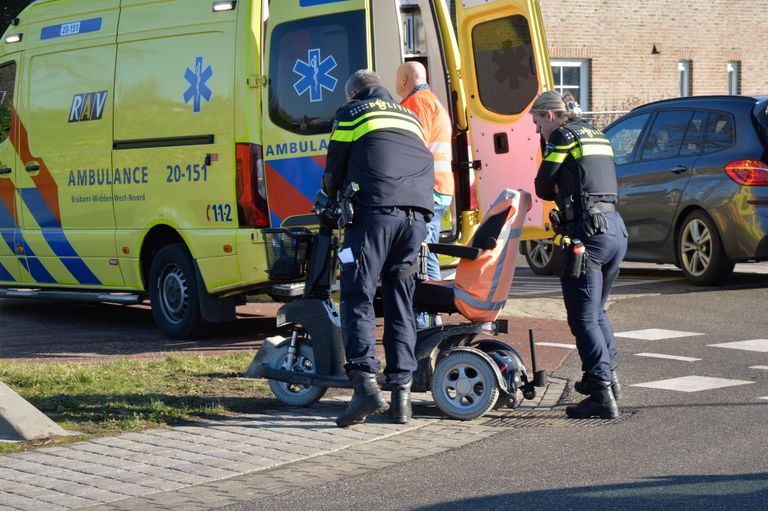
<point>7,80</point>
<point>310,62</point>
<point>505,65</point>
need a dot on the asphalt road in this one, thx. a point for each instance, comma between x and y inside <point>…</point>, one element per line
<point>703,450</point>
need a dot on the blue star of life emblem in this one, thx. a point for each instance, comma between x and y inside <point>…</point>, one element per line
<point>314,75</point>
<point>198,89</point>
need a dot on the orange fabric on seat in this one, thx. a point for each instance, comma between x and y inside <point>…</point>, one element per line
<point>482,286</point>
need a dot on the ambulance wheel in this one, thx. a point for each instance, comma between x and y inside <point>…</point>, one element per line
<point>295,394</point>
<point>173,292</point>
<point>464,385</point>
<point>538,255</point>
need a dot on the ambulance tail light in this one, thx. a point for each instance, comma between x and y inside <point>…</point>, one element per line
<point>251,190</point>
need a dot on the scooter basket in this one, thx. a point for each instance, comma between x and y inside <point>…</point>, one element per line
<point>287,252</point>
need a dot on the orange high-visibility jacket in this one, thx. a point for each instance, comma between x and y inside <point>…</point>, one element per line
<point>482,286</point>
<point>437,135</point>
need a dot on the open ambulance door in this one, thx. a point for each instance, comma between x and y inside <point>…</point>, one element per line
<point>311,49</point>
<point>505,66</point>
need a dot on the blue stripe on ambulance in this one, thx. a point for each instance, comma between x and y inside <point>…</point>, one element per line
<point>304,174</point>
<point>309,3</point>
<point>5,275</point>
<point>70,29</point>
<point>57,240</point>
<point>7,227</point>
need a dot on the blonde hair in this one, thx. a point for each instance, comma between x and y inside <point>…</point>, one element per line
<point>551,101</point>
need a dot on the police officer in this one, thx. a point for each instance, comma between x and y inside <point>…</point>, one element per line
<point>379,145</point>
<point>578,174</point>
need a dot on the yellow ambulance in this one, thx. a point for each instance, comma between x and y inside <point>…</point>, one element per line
<point>145,144</point>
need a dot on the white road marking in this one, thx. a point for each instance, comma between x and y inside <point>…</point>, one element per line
<point>765,368</point>
<point>764,397</point>
<point>557,345</point>
<point>670,357</point>
<point>760,345</point>
<point>654,334</point>
<point>691,383</point>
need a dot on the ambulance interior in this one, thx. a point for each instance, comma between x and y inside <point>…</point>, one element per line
<point>419,35</point>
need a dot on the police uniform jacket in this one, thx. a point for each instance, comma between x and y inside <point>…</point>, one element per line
<point>578,158</point>
<point>379,145</point>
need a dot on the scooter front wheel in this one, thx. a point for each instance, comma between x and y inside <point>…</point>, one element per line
<point>295,394</point>
<point>464,385</point>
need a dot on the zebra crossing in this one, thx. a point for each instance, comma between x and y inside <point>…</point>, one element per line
<point>691,382</point>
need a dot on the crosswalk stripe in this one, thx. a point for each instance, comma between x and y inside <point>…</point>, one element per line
<point>764,368</point>
<point>655,334</point>
<point>557,345</point>
<point>760,345</point>
<point>670,357</point>
<point>691,383</point>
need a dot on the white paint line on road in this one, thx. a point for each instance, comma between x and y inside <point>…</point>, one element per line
<point>691,383</point>
<point>764,397</point>
<point>760,345</point>
<point>670,357</point>
<point>654,334</point>
<point>764,368</point>
<point>557,345</point>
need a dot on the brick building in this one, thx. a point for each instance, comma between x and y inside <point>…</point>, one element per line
<point>614,55</point>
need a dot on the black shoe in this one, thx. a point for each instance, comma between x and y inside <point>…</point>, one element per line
<point>400,404</point>
<point>367,399</point>
<point>581,386</point>
<point>600,403</point>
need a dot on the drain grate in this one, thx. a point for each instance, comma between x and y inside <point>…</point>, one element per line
<point>551,418</point>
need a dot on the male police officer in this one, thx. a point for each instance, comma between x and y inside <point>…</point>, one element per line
<point>379,145</point>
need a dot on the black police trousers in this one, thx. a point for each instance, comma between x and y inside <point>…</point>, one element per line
<point>585,299</point>
<point>383,242</point>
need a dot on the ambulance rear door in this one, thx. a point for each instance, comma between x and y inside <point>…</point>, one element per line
<point>312,47</point>
<point>65,144</point>
<point>9,231</point>
<point>505,66</point>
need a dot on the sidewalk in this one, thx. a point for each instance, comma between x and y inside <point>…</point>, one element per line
<point>215,463</point>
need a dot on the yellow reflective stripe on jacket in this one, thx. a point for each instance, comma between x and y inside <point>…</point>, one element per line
<point>592,150</point>
<point>349,131</point>
<point>565,147</point>
<point>556,156</point>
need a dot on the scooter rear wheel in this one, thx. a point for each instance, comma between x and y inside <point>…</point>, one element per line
<point>464,385</point>
<point>295,394</point>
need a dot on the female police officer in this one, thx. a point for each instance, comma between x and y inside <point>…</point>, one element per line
<point>578,174</point>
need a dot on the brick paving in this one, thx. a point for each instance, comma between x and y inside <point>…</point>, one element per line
<point>218,463</point>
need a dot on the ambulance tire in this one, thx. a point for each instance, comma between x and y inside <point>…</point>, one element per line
<point>173,292</point>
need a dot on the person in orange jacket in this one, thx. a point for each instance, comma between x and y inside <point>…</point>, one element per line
<point>412,86</point>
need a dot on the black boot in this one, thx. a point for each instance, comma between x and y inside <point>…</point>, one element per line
<point>581,386</point>
<point>600,402</point>
<point>367,399</point>
<point>400,404</point>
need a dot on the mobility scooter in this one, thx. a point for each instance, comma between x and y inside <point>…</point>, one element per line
<point>467,371</point>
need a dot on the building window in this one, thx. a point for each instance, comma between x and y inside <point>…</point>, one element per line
<point>734,77</point>
<point>572,76</point>
<point>684,73</point>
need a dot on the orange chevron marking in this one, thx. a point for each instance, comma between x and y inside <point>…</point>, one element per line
<point>43,180</point>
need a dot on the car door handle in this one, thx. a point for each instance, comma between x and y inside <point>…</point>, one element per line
<point>679,169</point>
<point>5,170</point>
<point>32,167</point>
